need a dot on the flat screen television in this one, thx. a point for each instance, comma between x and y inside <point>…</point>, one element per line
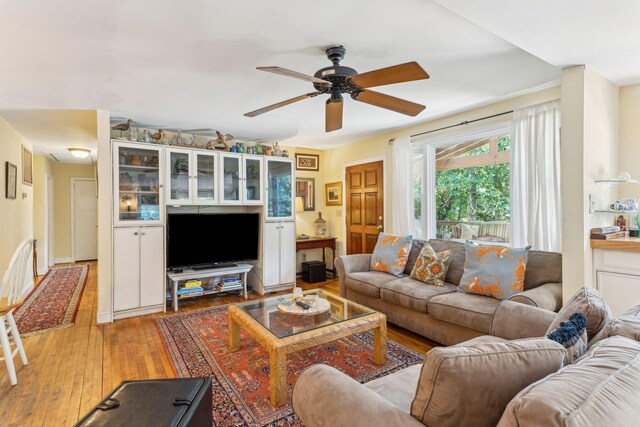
<point>211,240</point>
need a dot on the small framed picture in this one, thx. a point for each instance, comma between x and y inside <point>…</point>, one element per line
<point>333,193</point>
<point>12,181</point>
<point>27,166</point>
<point>307,162</point>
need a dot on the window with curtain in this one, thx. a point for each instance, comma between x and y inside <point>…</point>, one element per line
<point>465,179</point>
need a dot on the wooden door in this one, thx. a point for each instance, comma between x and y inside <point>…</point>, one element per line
<point>365,207</point>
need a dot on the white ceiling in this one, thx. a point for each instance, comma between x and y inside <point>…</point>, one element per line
<point>191,64</point>
<point>605,35</point>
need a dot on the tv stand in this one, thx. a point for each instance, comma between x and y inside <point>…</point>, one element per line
<point>174,280</point>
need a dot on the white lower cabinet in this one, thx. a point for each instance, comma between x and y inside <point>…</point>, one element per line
<point>138,270</point>
<point>278,256</point>
<point>617,275</point>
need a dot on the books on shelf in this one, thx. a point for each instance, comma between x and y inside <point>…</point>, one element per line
<point>605,230</point>
<point>193,283</point>
<point>192,290</point>
<point>609,236</point>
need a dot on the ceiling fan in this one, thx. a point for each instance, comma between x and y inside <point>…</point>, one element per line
<point>337,79</point>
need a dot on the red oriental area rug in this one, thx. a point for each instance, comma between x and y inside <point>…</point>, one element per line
<point>53,304</point>
<point>197,345</point>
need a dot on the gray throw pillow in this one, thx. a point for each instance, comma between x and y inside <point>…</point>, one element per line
<point>589,302</point>
<point>472,384</point>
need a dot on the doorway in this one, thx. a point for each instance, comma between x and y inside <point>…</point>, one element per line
<point>84,219</point>
<point>365,206</point>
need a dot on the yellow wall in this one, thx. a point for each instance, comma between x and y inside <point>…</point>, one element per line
<point>62,174</point>
<point>377,147</point>
<point>42,168</point>
<point>16,215</point>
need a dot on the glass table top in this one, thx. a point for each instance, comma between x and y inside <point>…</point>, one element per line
<point>283,324</point>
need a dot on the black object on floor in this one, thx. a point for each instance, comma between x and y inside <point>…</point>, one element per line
<point>314,271</point>
<point>178,402</point>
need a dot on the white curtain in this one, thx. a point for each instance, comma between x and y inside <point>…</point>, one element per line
<point>535,177</point>
<point>401,197</point>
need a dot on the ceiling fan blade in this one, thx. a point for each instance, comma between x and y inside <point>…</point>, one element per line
<point>295,75</point>
<point>386,76</point>
<point>333,115</point>
<point>280,104</point>
<point>389,102</point>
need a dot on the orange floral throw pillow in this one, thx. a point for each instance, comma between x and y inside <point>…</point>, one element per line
<point>391,253</point>
<point>431,267</point>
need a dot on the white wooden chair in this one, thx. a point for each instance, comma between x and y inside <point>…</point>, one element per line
<point>12,290</point>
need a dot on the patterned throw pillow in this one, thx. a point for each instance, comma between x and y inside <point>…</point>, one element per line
<point>495,271</point>
<point>573,336</point>
<point>391,253</point>
<point>431,267</point>
<point>469,231</point>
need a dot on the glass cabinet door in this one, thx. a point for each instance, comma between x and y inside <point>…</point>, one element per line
<point>279,189</point>
<point>252,180</point>
<point>138,184</point>
<point>230,179</point>
<point>179,174</point>
<point>205,181</point>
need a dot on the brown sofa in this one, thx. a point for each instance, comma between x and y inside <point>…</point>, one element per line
<point>447,316</point>
<point>602,388</point>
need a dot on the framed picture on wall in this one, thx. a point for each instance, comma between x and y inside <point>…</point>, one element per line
<point>333,194</point>
<point>27,166</point>
<point>12,181</point>
<point>307,162</point>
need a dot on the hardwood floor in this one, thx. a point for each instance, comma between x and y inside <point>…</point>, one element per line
<point>71,369</point>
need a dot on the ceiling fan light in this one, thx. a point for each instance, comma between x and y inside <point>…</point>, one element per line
<point>79,153</point>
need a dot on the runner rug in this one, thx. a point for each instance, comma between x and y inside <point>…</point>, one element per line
<point>53,304</point>
<point>197,345</point>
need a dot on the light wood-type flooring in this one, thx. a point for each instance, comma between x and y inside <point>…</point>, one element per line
<point>71,369</point>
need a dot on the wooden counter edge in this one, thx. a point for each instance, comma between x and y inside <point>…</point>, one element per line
<point>630,244</point>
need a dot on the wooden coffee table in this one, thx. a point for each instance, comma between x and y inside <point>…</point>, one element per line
<point>282,333</point>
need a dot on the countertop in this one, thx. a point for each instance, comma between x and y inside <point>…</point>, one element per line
<point>630,244</point>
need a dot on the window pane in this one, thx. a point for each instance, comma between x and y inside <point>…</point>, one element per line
<point>418,169</point>
<point>472,191</point>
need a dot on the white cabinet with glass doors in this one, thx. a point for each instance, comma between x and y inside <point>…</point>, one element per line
<point>241,179</point>
<point>191,177</point>
<point>280,184</point>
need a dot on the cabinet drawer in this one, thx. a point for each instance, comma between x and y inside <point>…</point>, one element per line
<point>620,291</point>
<point>617,260</point>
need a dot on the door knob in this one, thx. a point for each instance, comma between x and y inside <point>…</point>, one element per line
<point>379,228</point>
<point>380,218</point>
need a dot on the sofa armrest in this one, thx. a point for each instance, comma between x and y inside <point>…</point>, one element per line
<point>547,296</point>
<point>513,320</point>
<point>346,264</point>
<point>324,396</point>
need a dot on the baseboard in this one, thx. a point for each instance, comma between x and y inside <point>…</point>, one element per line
<point>63,260</point>
<point>104,318</point>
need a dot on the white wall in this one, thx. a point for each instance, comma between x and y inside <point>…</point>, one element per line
<point>630,138</point>
<point>104,217</point>
<point>42,168</point>
<point>589,150</point>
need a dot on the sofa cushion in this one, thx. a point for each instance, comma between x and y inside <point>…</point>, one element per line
<point>431,267</point>
<point>589,302</point>
<point>398,388</point>
<point>543,267</point>
<point>472,384</point>
<point>627,325</point>
<point>473,311</point>
<point>416,247</point>
<point>495,271</point>
<point>601,389</point>
<point>412,294</point>
<point>391,253</point>
<point>368,282</point>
